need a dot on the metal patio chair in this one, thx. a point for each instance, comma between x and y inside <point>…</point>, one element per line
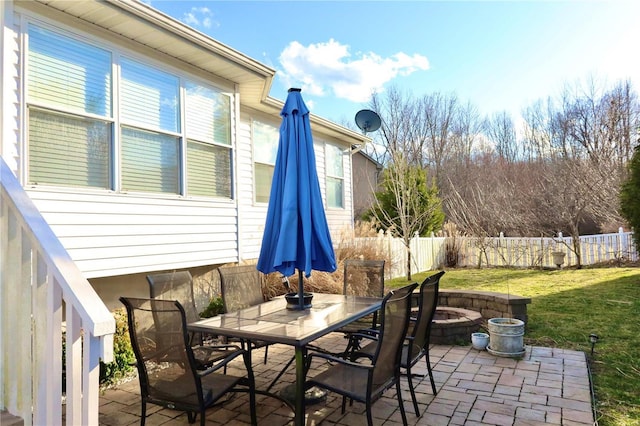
<point>167,369</point>
<point>416,345</point>
<point>362,278</point>
<point>366,382</point>
<point>178,285</point>
<point>241,287</point>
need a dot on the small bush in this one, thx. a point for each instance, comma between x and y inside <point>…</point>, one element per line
<point>215,307</point>
<point>123,356</point>
<point>452,245</point>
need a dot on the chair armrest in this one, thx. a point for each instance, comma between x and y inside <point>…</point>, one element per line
<point>223,361</point>
<point>338,360</point>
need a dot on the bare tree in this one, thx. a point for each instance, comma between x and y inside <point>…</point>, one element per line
<point>501,131</point>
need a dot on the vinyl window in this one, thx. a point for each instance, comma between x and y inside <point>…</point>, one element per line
<point>265,149</point>
<point>335,176</point>
<point>76,139</point>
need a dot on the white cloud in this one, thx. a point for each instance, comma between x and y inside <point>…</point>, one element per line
<point>324,68</point>
<point>199,17</point>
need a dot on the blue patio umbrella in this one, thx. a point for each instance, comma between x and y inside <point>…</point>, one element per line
<point>296,233</point>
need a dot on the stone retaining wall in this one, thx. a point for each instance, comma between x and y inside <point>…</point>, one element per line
<point>489,304</point>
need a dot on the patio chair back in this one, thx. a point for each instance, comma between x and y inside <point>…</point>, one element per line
<point>393,327</point>
<point>177,285</point>
<point>241,287</point>
<point>421,330</point>
<point>418,337</point>
<point>363,277</point>
<point>165,361</point>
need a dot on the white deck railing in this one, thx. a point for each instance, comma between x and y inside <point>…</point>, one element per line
<point>40,290</point>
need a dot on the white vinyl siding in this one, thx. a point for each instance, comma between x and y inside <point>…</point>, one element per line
<point>335,176</point>
<point>110,234</point>
<point>265,150</point>
<point>72,135</point>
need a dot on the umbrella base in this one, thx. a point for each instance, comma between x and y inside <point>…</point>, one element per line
<point>293,301</point>
<point>311,396</point>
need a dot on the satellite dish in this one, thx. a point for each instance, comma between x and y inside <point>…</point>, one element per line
<point>368,121</point>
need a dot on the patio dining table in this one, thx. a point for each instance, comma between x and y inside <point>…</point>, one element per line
<point>273,322</point>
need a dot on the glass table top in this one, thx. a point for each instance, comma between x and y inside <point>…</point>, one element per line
<point>273,322</point>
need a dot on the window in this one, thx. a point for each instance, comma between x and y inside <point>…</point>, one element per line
<point>335,176</point>
<point>75,139</point>
<point>149,101</point>
<point>265,149</point>
<point>69,89</point>
<point>208,129</point>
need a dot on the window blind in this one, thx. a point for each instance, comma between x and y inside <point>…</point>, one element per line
<point>67,150</point>
<point>208,170</point>
<point>149,97</point>
<point>68,74</point>
<point>150,162</point>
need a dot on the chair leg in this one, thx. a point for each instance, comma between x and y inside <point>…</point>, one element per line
<point>433,383</point>
<point>266,352</point>
<point>191,417</point>
<point>401,403</point>
<point>344,403</point>
<point>203,420</point>
<point>369,415</point>
<point>413,392</point>
<point>143,414</point>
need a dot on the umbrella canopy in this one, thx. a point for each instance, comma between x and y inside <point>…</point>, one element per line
<point>296,233</point>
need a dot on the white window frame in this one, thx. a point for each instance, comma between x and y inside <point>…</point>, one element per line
<point>262,158</point>
<point>331,176</point>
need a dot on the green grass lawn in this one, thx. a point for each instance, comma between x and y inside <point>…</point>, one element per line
<point>568,305</point>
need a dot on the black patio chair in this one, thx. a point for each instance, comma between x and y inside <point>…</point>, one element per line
<point>178,285</point>
<point>366,382</point>
<point>362,278</point>
<point>418,338</point>
<point>167,368</point>
<point>241,287</point>
<point>416,345</point>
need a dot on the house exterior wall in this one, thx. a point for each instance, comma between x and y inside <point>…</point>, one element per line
<point>365,183</point>
<point>338,219</point>
<point>108,233</point>
<point>120,235</point>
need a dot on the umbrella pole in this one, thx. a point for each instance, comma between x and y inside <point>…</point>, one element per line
<point>300,290</point>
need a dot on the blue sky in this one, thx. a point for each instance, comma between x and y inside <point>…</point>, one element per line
<point>500,56</point>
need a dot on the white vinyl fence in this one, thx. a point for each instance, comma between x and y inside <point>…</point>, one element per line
<point>428,253</point>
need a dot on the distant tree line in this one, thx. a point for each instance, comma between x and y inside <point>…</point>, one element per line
<point>560,169</point>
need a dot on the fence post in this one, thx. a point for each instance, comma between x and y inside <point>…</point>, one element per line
<point>433,249</point>
<point>620,237</point>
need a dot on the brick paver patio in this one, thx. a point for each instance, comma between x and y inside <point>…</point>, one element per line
<point>546,386</point>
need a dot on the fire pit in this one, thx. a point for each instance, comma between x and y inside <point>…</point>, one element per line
<point>454,325</point>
